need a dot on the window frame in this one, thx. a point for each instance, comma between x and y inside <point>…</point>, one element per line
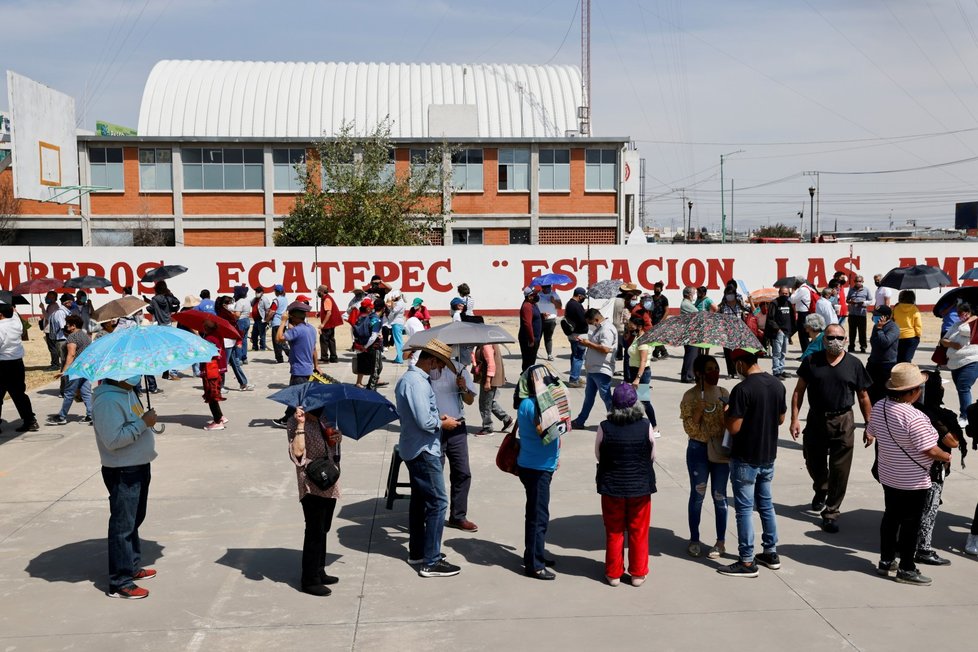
<point>155,166</point>
<point>465,167</point>
<point>511,167</point>
<point>555,166</point>
<point>295,183</point>
<point>244,164</point>
<point>468,234</point>
<point>520,230</point>
<point>602,167</point>
<point>104,165</point>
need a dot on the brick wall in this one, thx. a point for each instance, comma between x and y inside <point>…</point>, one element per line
<point>30,206</point>
<point>223,203</point>
<point>490,200</point>
<point>131,201</point>
<point>224,237</point>
<point>495,236</point>
<point>577,201</point>
<point>583,235</point>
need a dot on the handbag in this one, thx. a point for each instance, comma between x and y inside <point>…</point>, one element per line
<point>509,452</point>
<point>939,357</point>
<point>718,449</point>
<point>323,472</point>
<point>566,326</point>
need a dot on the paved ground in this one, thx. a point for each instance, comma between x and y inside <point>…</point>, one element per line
<point>224,530</point>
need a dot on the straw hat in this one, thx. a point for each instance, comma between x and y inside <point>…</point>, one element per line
<point>905,375</point>
<point>438,349</point>
<point>628,287</point>
<point>190,301</point>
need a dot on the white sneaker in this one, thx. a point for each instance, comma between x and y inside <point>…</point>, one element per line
<point>971,545</point>
<point>963,422</point>
<point>656,434</point>
<point>214,426</point>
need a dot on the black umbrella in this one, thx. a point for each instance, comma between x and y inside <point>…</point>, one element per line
<point>971,274</point>
<point>918,277</point>
<point>11,299</point>
<point>162,273</point>
<point>967,294</point>
<point>786,282</point>
<point>88,282</point>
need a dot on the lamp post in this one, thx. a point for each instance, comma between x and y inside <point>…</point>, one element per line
<point>811,212</point>
<point>686,235</point>
<point>723,213</point>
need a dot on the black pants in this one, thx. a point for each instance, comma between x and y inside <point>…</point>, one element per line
<point>12,382</point>
<point>528,352</point>
<point>537,516</point>
<point>690,354</point>
<point>857,328</point>
<point>827,446</point>
<point>906,347</point>
<point>52,345</point>
<point>901,524</point>
<point>455,449</point>
<point>279,348</point>
<point>549,325</point>
<point>727,357</point>
<point>327,345</point>
<point>800,330</point>
<point>318,514</point>
<point>880,373</point>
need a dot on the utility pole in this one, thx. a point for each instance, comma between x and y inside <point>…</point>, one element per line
<point>584,112</point>
<point>811,214</point>
<point>723,214</point>
<point>733,231</point>
<point>690,204</point>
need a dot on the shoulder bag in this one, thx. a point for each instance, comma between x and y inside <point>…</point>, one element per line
<point>323,472</point>
<point>876,462</point>
<point>509,451</point>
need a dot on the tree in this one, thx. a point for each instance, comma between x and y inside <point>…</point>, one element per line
<point>364,203</point>
<point>9,210</point>
<point>145,231</point>
<point>778,230</point>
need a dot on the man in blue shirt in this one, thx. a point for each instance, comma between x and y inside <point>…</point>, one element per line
<point>303,358</point>
<point>273,317</point>
<point>420,448</point>
<point>206,303</point>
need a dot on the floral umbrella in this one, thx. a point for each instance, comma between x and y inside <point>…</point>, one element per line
<point>704,329</point>
<point>605,289</point>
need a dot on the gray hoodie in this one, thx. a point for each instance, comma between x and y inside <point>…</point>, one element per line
<point>122,436</point>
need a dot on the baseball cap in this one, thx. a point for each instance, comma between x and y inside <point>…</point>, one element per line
<point>279,288</point>
<point>530,290</point>
<point>744,354</point>
<point>580,291</point>
<point>457,302</point>
<point>367,303</point>
<point>303,298</point>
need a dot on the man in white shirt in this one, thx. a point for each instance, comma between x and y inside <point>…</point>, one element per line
<point>451,392</point>
<point>825,308</point>
<point>599,361</point>
<point>412,325</point>
<point>802,301</point>
<point>12,369</point>
<point>884,295</point>
<point>549,304</point>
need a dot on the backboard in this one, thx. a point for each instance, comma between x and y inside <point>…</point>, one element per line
<point>43,138</point>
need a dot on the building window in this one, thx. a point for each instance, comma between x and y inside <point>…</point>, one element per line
<point>514,166</point>
<point>519,236</point>
<point>600,169</point>
<point>341,169</point>
<point>287,164</point>
<point>467,236</point>
<point>554,169</point>
<point>223,169</point>
<point>467,170</point>
<point>155,169</point>
<point>105,164</point>
<point>390,168</point>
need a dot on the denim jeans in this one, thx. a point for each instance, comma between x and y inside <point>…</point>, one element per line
<point>752,489</point>
<point>84,387</point>
<point>646,379</point>
<point>577,360</point>
<point>489,407</point>
<point>963,379</point>
<point>128,491</point>
<point>906,347</point>
<point>779,347</point>
<point>537,485</point>
<point>244,323</point>
<point>429,504</point>
<point>700,470</point>
<point>597,383</point>
<point>258,331</point>
<point>235,365</point>
<point>397,334</point>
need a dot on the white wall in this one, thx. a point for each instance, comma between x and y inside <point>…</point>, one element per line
<point>496,274</point>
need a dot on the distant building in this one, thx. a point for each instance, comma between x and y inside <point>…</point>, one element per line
<point>212,163</point>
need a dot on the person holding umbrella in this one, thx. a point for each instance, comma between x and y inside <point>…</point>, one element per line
<point>311,439</point>
<point>126,447</point>
<point>212,374</point>
<point>549,306</point>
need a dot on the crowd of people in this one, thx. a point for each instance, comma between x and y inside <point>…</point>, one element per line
<point>732,436</point>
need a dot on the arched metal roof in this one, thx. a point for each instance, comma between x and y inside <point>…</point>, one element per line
<point>309,100</point>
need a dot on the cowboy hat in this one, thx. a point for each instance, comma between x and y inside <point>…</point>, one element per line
<point>190,301</point>
<point>438,349</point>
<point>628,287</point>
<point>904,376</point>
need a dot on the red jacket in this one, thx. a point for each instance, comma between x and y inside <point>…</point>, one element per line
<point>335,314</point>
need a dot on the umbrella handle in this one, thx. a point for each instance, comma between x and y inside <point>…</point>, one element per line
<point>159,427</point>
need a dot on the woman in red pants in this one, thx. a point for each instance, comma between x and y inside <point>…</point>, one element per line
<point>625,448</point>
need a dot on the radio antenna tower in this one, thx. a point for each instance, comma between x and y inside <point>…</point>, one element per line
<point>584,111</point>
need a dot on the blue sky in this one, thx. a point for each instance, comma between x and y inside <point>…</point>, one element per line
<point>676,76</point>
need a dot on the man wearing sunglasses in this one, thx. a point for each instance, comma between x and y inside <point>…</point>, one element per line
<point>834,381</point>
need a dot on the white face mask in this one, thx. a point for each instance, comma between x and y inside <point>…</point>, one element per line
<point>633,302</point>
<point>435,374</point>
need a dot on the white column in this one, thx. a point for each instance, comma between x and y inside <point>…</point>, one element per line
<point>534,194</point>
<point>268,169</point>
<point>176,175</point>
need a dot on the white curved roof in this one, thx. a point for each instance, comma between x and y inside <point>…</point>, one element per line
<point>308,100</point>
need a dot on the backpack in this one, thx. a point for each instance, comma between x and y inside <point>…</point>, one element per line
<point>362,330</point>
<point>813,297</point>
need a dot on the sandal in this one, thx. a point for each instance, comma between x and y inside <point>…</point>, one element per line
<point>694,549</point>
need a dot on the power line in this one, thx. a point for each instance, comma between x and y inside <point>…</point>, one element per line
<point>770,143</point>
<point>570,26</point>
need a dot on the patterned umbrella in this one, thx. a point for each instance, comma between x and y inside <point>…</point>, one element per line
<point>605,289</point>
<point>704,329</point>
<point>140,351</point>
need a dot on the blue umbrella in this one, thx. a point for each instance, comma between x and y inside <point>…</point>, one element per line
<point>551,279</point>
<point>140,351</point>
<point>355,411</point>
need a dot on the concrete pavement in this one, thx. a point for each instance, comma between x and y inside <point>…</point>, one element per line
<point>224,530</point>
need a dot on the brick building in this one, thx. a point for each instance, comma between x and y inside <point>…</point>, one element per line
<point>213,163</point>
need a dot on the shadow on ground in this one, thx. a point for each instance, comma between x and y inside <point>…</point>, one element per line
<point>84,561</point>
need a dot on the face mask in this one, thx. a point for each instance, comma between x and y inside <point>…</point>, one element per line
<point>730,297</point>
<point>49,301</point>
<point>657,291</point>
<point>82,299</point>
<point>435,373</point>
<point>835,347</point>
<point>712,377</point>
<point>134,381</point>
<point>633,302</point>
<point>647,305</point>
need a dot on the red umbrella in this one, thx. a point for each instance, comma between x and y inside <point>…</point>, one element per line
<point>195,319</point>
<point>39,285</point>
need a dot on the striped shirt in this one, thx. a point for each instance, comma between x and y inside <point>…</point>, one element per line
<point>900,424</point>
